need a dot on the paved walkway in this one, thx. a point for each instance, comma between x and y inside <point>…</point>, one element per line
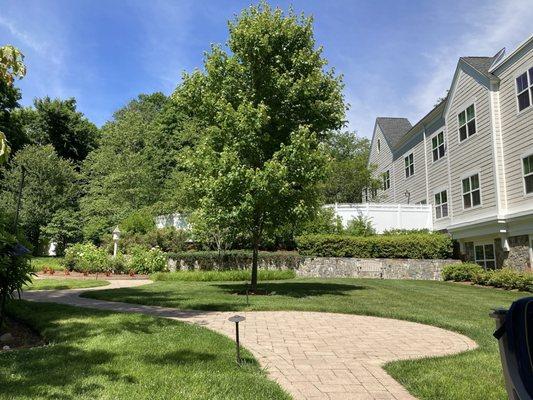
<point>312,355</point>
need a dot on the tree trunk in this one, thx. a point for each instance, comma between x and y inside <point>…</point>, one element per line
<point>2,309</point>
<point>254,265</point>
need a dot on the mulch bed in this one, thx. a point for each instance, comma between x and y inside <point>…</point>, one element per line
<point>24,337</point>
<point>79,275</point>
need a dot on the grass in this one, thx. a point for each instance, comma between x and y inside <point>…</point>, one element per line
<point>39,263</point>
<point>102,355</point>
<point>474,375</point>
<point>59,284</point>
<point>229,276</point>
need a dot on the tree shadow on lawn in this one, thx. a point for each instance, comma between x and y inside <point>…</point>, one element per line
<point>295,289</point>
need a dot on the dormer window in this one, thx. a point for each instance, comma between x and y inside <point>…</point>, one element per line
<point>467,123</point>
<point>524,89</point>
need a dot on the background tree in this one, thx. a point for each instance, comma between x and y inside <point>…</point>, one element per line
<point>123,174</point>
<point>57,122</point>
<point>51,183</point>
<point>348,173</point>
<point>64,228</point>
<point>265,108</point>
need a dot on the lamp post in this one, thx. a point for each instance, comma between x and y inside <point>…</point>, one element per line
<point>116,237</point>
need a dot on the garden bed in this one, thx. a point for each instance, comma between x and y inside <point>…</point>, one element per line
<point>21,336</point>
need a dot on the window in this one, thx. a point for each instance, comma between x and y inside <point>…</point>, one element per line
<point>471,192</point>
<point>441,204</point>
<point>528,173</point>
<point>386,180</point>
<point>437,144</point>
<point>379,146</point>
<point>524,90</point>
<point>467,123</point>
<point>422,202</point>
<point>485,255</point>
<point>409,165</point>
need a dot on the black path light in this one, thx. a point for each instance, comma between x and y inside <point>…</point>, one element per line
<point>237,319</point>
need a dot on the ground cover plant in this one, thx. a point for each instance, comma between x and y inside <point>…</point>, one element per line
<point>41,263</point>
<point>475,375</point>
<point>233,275</point>
<point>60,284</point>
<point>102,355</point>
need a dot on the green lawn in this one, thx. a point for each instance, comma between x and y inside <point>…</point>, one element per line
<point>59,284</point>
<point>102,355</point>
<point>474,375</point>
<point>39,263</point>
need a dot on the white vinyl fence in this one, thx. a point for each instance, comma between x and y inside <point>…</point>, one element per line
<point>387,216</point>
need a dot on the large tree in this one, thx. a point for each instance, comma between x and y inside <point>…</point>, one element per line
<point>50,184</point>
<point>124,174</point>
<point>265,108</point>
<point>59,123</point>
<point>348,174</point>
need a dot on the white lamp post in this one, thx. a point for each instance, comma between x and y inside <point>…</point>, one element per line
<point>116,237</point>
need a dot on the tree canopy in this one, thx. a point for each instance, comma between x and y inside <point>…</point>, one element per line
<point>122,174</point>
<point>50,184</point>
<point>59,123</point>
<point>264,110</point>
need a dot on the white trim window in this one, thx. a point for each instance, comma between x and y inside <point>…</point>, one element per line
<point>421,203</point>
<point>524,90</point>
<point>441,204</point>
<point>485,255</point>
<point>527,164</point>
<point>386,180</point>
<point>438,147</point>
<point>409,162</point>
<point>467,122</point>
<point>471,192</point>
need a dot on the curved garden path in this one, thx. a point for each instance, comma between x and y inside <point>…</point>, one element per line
<point>310,354</point>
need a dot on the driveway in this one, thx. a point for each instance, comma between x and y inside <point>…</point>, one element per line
<point>312,355</point>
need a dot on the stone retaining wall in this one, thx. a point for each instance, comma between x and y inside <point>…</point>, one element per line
<point>384,268</point>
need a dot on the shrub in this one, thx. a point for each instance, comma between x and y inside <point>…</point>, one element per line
<point>360,226</point>
<point>167,239</point>
<point>235,275</point>
<point>118,264</point>
<point>421,246</point>
<point>147,261</point>
<point>397,231</point>
<point>235,259</point>
<point>461,272</point>
<point>505,278</point>
<point>138,222</point>
<point>86,257</point>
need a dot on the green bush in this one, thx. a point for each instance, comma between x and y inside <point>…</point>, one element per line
<point>418,246</point>
<point>505,278</point>
<point>147,261</point>
<point>138,222</point>
<point>86,258</point>
<point>461,272</point>
<point>235,275</point>
<point>167,239</point>
<point>360,226</point>
<point>235,259</point>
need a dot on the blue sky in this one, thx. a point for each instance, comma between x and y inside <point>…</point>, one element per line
<point>397,57</point>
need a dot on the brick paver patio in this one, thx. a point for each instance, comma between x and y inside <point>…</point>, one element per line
<point>312,355</point>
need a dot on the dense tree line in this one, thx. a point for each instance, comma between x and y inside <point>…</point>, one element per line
<point>250,146</point>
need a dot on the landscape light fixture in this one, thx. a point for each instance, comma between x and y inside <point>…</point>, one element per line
<point>237,319</point>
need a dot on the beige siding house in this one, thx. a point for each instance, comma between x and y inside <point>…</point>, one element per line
<point>471,158</point>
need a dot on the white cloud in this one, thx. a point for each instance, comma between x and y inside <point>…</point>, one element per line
<point>487,30</point>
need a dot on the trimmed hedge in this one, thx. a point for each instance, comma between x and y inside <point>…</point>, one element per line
<point>235,259</point>
<point>505,278</point>
<point>415,246</point>
<point>233,276</point>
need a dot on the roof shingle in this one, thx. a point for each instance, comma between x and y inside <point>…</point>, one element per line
<point>393,129</point>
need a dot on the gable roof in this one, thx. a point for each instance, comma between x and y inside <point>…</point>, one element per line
<point>393,129</point>
<point>481,64</point>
